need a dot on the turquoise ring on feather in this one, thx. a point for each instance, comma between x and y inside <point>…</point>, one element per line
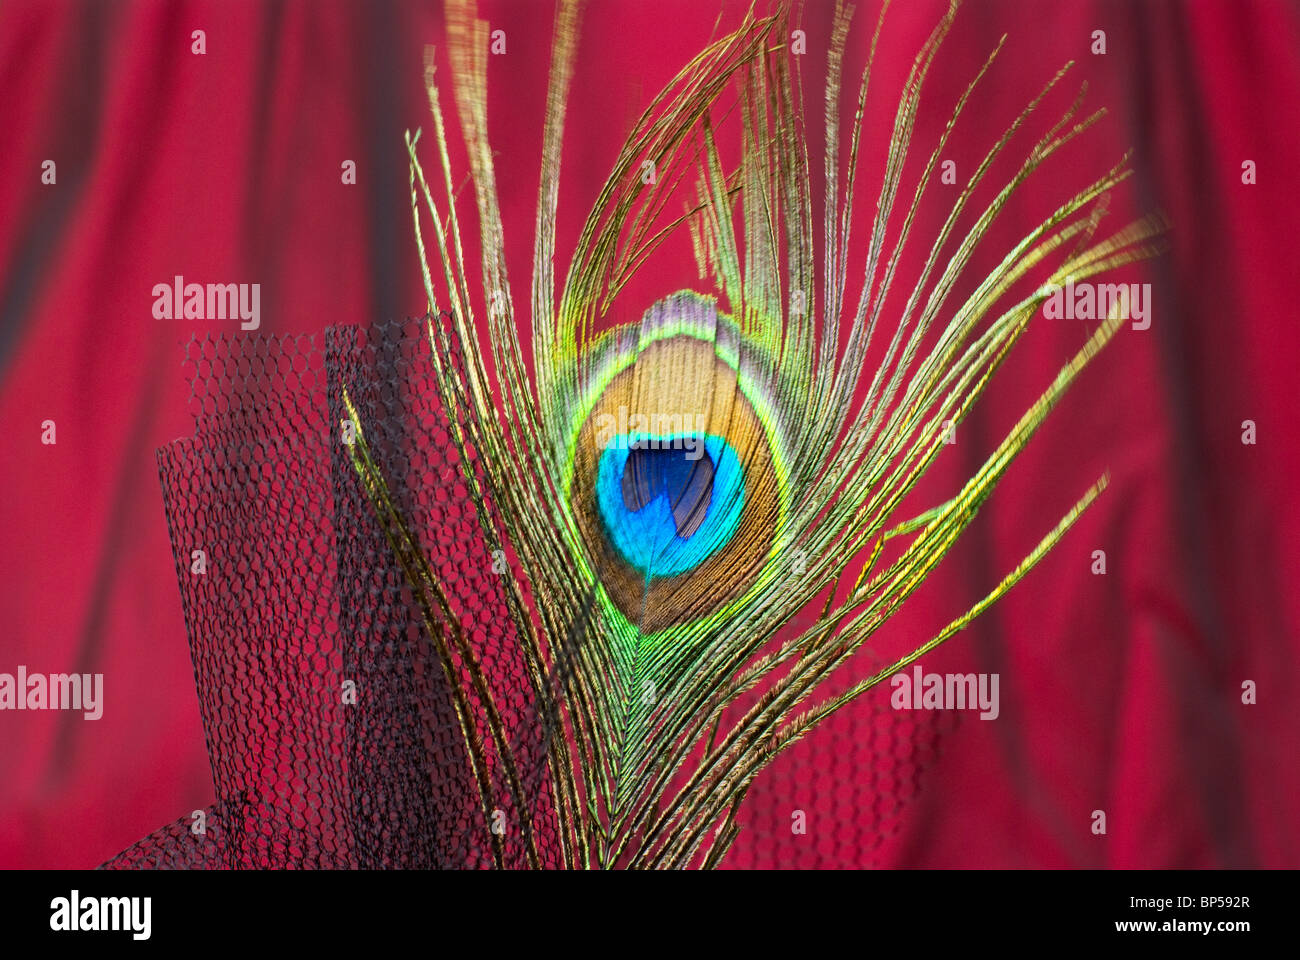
<point>674,482</point>
<point>669,502</point>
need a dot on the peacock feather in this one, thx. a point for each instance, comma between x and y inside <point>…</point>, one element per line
<point>693,507</point>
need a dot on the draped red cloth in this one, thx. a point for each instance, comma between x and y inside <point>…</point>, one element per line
<point>1120,693</point>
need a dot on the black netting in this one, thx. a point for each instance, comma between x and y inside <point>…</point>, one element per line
<point>329,719</point>
<point>855,779</point>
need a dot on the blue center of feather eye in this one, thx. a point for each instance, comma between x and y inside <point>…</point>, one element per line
<point>669,501</point>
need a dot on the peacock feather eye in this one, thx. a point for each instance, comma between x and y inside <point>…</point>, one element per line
<point>676,479</point>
